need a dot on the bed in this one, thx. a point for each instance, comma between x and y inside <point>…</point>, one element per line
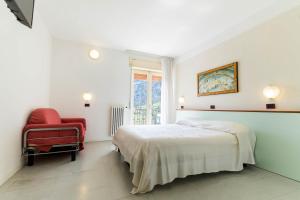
<point>157,154</point>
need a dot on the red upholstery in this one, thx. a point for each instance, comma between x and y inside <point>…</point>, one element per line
<point>74,120</point>
<point>45,118</point>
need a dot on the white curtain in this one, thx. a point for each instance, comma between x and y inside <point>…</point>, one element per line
<point>167,91</point>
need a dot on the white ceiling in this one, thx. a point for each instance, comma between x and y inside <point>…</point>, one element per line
<point>162,27</point>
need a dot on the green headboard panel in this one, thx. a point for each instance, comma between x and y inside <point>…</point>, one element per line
<point>278,137</point>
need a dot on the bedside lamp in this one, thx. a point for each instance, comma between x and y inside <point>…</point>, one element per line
<point>271,92</point>
<point>181,102</point>
<point>87,97</point>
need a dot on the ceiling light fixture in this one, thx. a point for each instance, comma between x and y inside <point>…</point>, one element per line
<point>94,54</point>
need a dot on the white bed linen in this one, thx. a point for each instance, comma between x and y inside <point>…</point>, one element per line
<point>159,154</point>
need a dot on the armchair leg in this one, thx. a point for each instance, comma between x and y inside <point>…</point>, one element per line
<point>73,155</point>
<point>30,158</point>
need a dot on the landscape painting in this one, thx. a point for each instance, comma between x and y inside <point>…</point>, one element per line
<point>221,80</point>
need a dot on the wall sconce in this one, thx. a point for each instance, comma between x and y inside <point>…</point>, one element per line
<point>181,102</point>
<point>94,54</point>
<point>87,97</point>
<point>271,92</point>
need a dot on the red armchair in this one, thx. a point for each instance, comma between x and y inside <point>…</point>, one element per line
<point>46,132</point>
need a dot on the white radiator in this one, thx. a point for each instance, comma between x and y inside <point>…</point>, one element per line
<point>117,118</point>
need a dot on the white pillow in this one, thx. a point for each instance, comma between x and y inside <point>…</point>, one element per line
<point>192,123</point>
<point>226,126</point>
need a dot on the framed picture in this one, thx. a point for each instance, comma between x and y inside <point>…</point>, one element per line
<point>221,80</point>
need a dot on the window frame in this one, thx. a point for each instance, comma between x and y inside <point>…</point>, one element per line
<point>150,73</point>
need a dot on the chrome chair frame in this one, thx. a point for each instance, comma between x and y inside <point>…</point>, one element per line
<point>25,147</point>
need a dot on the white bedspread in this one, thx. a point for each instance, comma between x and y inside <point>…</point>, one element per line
<point>159,154</point>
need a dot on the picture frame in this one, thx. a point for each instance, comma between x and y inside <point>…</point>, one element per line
<point>220,80</point>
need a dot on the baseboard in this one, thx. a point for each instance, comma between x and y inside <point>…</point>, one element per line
<point>91,141</point>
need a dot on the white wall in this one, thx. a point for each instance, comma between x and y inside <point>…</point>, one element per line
<point>267,54</point>
<point>24,82</point>
<point>74,73</point>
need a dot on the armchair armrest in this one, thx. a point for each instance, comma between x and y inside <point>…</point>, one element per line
<point>74,120</point>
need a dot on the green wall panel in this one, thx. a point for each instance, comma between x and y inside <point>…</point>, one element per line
<point>278,137</point>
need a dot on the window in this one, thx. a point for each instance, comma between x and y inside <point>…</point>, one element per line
<point>146,96</point>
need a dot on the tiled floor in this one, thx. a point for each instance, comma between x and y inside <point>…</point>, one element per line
<point>100,174</point>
